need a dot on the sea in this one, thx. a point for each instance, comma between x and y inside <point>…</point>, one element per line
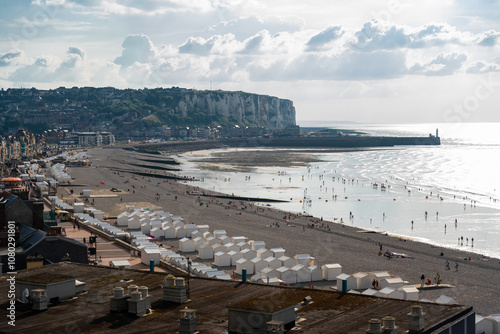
<point>446,195</point>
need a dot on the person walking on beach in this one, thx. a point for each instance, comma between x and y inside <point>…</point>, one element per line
<point>422,279</point>
<point>447,265</point>
<point>456,266</point>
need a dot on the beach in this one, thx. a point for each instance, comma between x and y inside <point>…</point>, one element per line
<point>476,282</point>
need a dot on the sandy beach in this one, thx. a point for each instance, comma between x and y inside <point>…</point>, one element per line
<point>476,283</point>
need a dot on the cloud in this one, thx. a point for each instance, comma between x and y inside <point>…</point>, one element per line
<point>483,67</point>
<point>488,38</point>
<point>324,37</point>
<point>443,64</point>
<point>8,58</point>
<point>136,48</point>
<point>74,57</point>
<point>217,44</point>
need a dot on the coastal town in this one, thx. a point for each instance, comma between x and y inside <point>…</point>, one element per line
<point>104,237</point>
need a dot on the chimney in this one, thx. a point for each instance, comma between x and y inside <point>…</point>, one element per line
<point>275,327</point>
<point>374,327</point>
<point>416,320</point>
<point>40,299</point>
<point>174,290</point>
<point>389,325</point>
<point>118,302</point>
<point>188,321</point>
<point>137,304</point>
<point>144,292</point>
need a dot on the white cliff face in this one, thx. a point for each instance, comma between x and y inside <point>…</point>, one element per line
<point>270,112</point>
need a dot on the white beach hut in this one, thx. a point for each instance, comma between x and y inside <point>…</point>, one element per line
<point>243,245</point>
<point>331,271</point>
<point>146,228</point>
<point>446,300</point>
<point>248,254</point>
<point>219,233</point>
<point>244,264</point>
<point>393,282</point>
<point>409,292</point>
<point>270,281</point>
<point>224,240</point>
<point>264,253</point>
<point>203,228</point>
<point>287,261</point>
<point>278,252</point>
<point>222,259</point>
<point>186,245</point>
<point>156,233</point>
<point>197,242</point>
<point>196,234</point>
<point>270,272</point>
<point>389,292</point>
<point>205,252</point>
<point>235,256</point>
<point>238,239</point>
<point>169,232</point>
<point>213,241</point>
<point>180,232</point>
<point>78,208</point>
<point>232,247</point>
<point>207,235</point>
<point>304,259</point>
<point>287,275</point>
<point>121,219</point>
<point>379,275</point>
<point>148,254</point>
<point>316,273</point>
<point>345,282</point>
<point>258,264</point>
<point>189,228</point>
<point>363,280</point>
<point>258,245</point>
<point>273,262</point>
<point>302,272</point>
<point>369,292</point>
<point>133,223</point>
<point>218,248</point>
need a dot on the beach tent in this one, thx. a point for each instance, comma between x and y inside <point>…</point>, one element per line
<point>345,282</point>
<point>363,280</point>
<point>277,252</point>
<point>389,292</point>
<point>186,245</point>
<point>316,273</point>
<point>244,264</point>
<point>205,252</point>
<point>409,292</point>
<point>235,256</point>
<point>273,262</point>
<point>287,261</point>
<point>287,275</point>
<point>248,254</point>
<point>169,232</point>
<point>264,253</point>
<point>222,259</point>
<point>331,271</point>
<point>393,282</point>
<point>258,245</point>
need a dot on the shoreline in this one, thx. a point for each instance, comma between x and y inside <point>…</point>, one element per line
<point>475,282</point>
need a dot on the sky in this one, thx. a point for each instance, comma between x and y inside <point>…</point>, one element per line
<point>386,61</point>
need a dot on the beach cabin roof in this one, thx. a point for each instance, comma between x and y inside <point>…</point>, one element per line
<point>446,300</point>
<point>343,276</point>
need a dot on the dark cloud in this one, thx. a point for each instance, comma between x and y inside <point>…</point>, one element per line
<point>7,58</point>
